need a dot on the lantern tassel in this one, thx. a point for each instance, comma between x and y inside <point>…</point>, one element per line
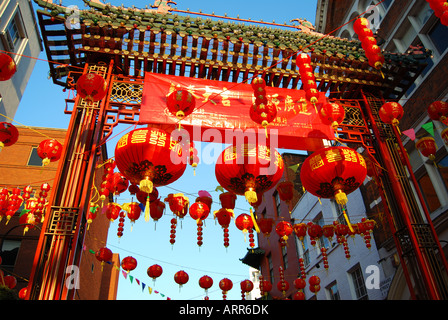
<point>251,196</point>
<point>45,162</point>
<point>341,197</point>
<point>147,209</point>
<point>254,221</point>
<point>347,220</point>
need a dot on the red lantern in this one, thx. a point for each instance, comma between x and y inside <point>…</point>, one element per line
<point>103,255</point>
<point>262,110</point>
<point>128,264</point>
<point>284,230</point>
<point>8,134</point>
<point>332,114</point>
<point>328,231</point>
<point>178,204</point>
<point>205,282</point>
<point>438,110</point>
<point>22,293</point>
<point>299,295</point>
<point>341,230</point>
<point>391,113</point>
<point>14,203</point>
<point>7,67</point>
<point>427,147</point>
<point>360,24</point>
<point>154,271</point>
<point>147,157</point>
<point>285,190</point>
<point>314,282</point>
<point>91,87</point>
<point>181,278</point>
<point>193,158</point>
<point>315,232</point>
<point>245,223</point>
<point>157,208</point>
<point>265,287</point>
<point>225,285</point>
<point>333,172</point>
<point>9,281</point>
<point>119,183</point>
<point>199,211</point>
<point>228,200</point>
<point>300,231</point>
<point>265,225</point>
<point>181,103</point>
<point>49,150</point>
<point>224,217</point>
<point>91,215</point>
<point>120,229</point>
<point>246,288</point>
<point>249,169</point>
<point>299,284</point>
<point>133,211</point>
<point>112,211</point>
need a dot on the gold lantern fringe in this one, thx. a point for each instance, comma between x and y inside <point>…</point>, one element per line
<point>251,196</point>
<point>146,185</point>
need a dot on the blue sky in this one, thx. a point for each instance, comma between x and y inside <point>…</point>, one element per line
<point>43,106</point>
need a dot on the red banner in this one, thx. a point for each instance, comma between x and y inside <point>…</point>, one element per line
<point>224,106</point>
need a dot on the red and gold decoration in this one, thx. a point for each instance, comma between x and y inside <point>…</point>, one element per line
<point>427,147</point>
<point>14,203</point>
<point>193,159</point>
<point>128,264</point>
<point>282,284</point>
<point>249,169</point>
<point>224,216</point>
<point>133,211</point>
<point>265,225</point>
<point>262,111</point>
<point>49,150</point>
<point>314,232</point>
<point>368,43</point>
<point>228,200</point>
<point>103,255</point>
<point>112,211</point>
<point>180,103</point>
<point>121,220</point>
<point>303,61</point>
<point>265,286</point>
<point>246,287</point>
<point>7,67</point>
<point>154,271</point>
<point>299,284</point>
<point>332,114</point>
<point>91,87</point>
<point>314,282</point>
<point>92,213</point>
<point>245,223</point>
<point>438,110</point>
<point>300,229</point>
<point>205,282</point>
<point>8,134</point>
<point>150,158</point>
<point>225,285</point>
<point>391,113</point>
<point>4,202</point>
<point>178,204</point>
<point>181,278</point>
<point>341,231</point>
<point>302,268</point>
<point>199,211</point>
<point>284,229</point>
<point>334,172</point>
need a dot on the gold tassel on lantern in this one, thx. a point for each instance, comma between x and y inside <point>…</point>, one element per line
<point>146,185</point>
<point>147,209</point>
<point>251,195</point>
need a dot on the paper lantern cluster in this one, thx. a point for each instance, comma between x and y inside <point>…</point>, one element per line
<point>262,111</point>
<point>440,8</point>
<point>368,43</point>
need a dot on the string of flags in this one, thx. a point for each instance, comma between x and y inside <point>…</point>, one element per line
<point>132,278</point>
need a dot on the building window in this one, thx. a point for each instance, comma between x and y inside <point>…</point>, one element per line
<point>9,252</point>
<point>34,159</point>
<point>271,269</point>
<point>285,257</point>
<point>333,291</point>
<point>358,283</point>
<point>14,35</point>
<point>277,203</point>
<point>438,37</point>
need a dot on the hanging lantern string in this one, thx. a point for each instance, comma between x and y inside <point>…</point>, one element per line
<point>12,120</point>
<point>289,57</point>
<point>38,59</point>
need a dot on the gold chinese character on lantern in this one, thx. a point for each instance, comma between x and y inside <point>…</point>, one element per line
<point>316,162</point>
<point>350,155</point>
<point>139,136</point>
<point>123,141</point>
<point>333,155</point>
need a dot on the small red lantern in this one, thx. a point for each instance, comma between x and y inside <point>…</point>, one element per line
<point>133,211</point>
<point>224,217</point>
<point>154,271</point>
<point>9,281</point>
<point>181,103</point>
<point>199,211</point>
<point>332,114</point>
<point>427,147</point>
<point>112,211</point>
<point>328,231</point>
<point>246,288</point>
<point>181,278</point>
<point>265,225</point>
<point>7,67</point>
<point>262,110</point>
<point>225,285</point>
<point>91,215</point>
<point>341,230</point>
<point>228,200</point>
<point>147,157</point>
<point>245,223</point>
<point>205,282</point>
<point>103,255</point>
<point>248,169</point>
<point>128,264</point>
<point>178,204</point>
<point>22,293</point>
<point>391,113</point>
<point>315,232</point>
<point>300,231</point>
<point>299,295</point>
<point>157,208</point>
<point>314,282</point>
<point>284,230</point>
<point>8,134</point>
<point>285,190</point>
<point>91,87</point>
<point>299,284</point>
<point>49,150</point>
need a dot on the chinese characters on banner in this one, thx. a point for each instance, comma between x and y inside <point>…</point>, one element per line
<point>224,106</point>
